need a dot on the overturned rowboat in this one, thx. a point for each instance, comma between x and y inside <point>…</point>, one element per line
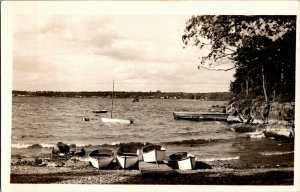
<point>153,153</point>
<point>183,161</point>
<point>127,156</point>
<point>101,158</point>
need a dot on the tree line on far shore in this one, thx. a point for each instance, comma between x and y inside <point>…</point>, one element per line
<point>216,96</point>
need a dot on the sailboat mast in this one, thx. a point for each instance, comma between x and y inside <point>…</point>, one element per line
<point>112,99</point>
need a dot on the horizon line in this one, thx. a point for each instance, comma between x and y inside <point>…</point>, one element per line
<point>157,91</point>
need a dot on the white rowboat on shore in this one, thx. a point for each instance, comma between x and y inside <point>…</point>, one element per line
<point>153,153</point>
<point>127,157</point>
<point>101,158</point>
<point>183,160</point>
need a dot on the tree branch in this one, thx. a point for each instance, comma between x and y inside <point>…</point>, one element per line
<point>211,69</point>
<point>224,55</point>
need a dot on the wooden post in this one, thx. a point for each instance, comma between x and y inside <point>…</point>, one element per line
<point>112,99</point>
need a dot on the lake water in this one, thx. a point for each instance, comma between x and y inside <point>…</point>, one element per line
<point>46,121</point>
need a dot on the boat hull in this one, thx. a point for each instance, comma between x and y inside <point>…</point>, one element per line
<point>122,121</point>
<point>100,162</point>
<point>100,159</point>
<point>127,161</point>
<point>154,155</point>
<point>127,156</point>
<point>100,111</point>
<point>187,164</point>
<point>183,161</point>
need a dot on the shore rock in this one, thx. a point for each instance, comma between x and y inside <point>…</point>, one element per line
<point>278,122</point>
<point>258,121</point>
<point>280,133</point>
<point>244,128</point>
<point>60,148</point>
<point>52,164</point>
<point>256,135</point>
<point>78,151</point>
<point>234,119</point>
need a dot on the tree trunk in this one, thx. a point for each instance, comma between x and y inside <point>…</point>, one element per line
<point>264,83</point>
<point>274,92</point>
<point>281,80</point>
<point>247,86</point>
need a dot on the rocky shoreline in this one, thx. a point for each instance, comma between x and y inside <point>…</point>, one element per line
<point>259,112</point>
<point>272,119</point>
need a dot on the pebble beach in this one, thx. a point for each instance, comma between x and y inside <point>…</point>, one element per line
<point>79,171</point>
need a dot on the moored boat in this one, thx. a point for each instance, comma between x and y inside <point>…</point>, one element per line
<point>153,153</point>
<point>127,156</point>
<point>101,158</point>
<point>111,119</point>
<point>183,160</point>
<point>200,116</point>
<point>135,100</point>
<point>100,111</point>
<point>122,121</point>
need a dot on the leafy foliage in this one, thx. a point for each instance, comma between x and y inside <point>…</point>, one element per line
<point>260,48</point>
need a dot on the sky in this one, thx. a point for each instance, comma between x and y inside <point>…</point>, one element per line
<point>55,52</point>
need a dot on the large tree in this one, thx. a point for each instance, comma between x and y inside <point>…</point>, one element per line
<point>260,48</point>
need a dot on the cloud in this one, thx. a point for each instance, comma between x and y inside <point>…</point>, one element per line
<point>79,52</point>
<point>123,50</point>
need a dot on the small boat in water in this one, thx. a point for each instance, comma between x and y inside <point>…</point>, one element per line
<point>153,153</point>
<point>127,156</point>
<point>200,116</point>
<point>100,111</point>
<point>101,158</point>
<point>111,119</point>
<point>122,121</point>
<point>135,100</point>
<point>183,160</point>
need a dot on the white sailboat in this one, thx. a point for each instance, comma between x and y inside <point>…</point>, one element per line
<point>111,119</point>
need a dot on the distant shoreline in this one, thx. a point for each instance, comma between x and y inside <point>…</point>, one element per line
<point>214,96</point>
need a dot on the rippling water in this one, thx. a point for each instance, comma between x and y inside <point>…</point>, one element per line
<point>46,121</point>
